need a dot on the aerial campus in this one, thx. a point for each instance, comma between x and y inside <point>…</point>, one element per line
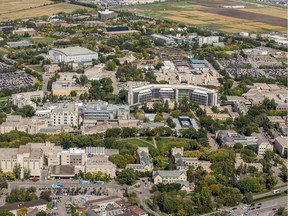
<point>143,107</point>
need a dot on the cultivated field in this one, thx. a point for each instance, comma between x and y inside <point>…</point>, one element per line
<point>18,9</point>
<point>211,14</point>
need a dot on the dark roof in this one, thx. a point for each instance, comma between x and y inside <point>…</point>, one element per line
<point>21,205</point>
<point>62,170</point>
<point>118,28</point>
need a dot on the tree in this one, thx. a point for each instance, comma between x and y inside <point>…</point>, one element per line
<point>83,80</point>
<point>166,106</point>
<point>45,195</point>
<point>159,161</point>
<point>22,212</point>
<point>17,170</point>
<point>6,213</point>
<point>27,111</point>
<point>110,65</point>
<point>158,118</point>
<point>118,160</point>
<point>170,122</point>
<point>127,176</point>
<point>26,173</point>
<point>41,213</point>
<point>248,198</point>
<point>271,181</point>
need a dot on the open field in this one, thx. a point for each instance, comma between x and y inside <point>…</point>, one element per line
<point>38,39</point>
<point>19,9</point>
<point>211,15</point>
<point>165,144</point>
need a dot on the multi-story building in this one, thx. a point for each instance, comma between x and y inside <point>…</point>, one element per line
<point>26,98</point>
<point>104,111</point>
<point>100,164</point>
<point>65,114</point>
<point>281,144</point>
<point>25,31</point>
<point>106,14</point>
<point>169,176</point>
<point>163,39</point>
<point>147,93</point>
<point>263,144</point>
<point>230,138</point>
<point>145,163</point>
<point>208,40</point>
<point>74,54</point>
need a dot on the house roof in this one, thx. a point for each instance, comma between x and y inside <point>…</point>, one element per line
<point>21,205</point>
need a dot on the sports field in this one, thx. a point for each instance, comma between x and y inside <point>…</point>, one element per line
<point>212,15</point>
<point>19,9</point>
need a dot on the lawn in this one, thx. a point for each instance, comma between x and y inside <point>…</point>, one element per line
<point>39,39</point>
<point>37,68</point>
<point>211,15</point>
<point>139,142</point>
<point>165,144</point>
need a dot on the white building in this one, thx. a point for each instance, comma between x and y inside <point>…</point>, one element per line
<point>73,54</point>
<point>65,114</point>
<point>244,34</point>
<point>169,176</point>
<point>281,144</point>
<point>25,98</point>
<point>208,40</point>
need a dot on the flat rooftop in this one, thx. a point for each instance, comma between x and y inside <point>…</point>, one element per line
<point>74,51</point>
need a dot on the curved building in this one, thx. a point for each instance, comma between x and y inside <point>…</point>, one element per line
<point>196,94</point>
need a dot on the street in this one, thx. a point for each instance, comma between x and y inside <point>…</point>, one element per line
<point>268,193</point>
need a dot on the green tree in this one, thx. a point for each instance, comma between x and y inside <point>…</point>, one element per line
<point>45,195</point>
<point>41,213</point>
<point>248,198</point>
<point>110,65</point>
<point>26,173</point>
<point>118,160</point>
<point>158,118</point>
<point>6,213</point>
<point>83,80</point>
<point>27,111</point>
<point>127,176</point>
<point>17,170</point>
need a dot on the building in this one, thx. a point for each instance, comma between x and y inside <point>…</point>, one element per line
<point>162,39</point>
<point>145,163</point>
<point>147,93</point>
<point>64,114</point>
<point>102,203</point>
<point>106,14</point>
<point>31,125</point>
<point>16,44</point>
<point>119,30</point>
<point>230,138</point>
<point>97,160</point>
<point>168,176</point>
<point>61,88</point>
<point>281,144</point>
<point>104,111</point>
<point>25,31</point>
<point>73,54</point>
<point>40,205</point>
<point>27,98</point>
<point>99,163</point>
<point>239,162</point>
<point>263,144</point>
<point>52,68</point>
<point>208,40</point>
<point>244,34</point>
<point>28,158</point>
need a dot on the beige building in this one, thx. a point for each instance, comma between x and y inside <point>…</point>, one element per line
<point>169,176</point>
<point>25,31</point>
<point>52,68</point>
<point>281,144</point>
<point>28,158</point>
<point>26,98</point>
<point>219,116</point>
<point>239,162</point>
<point>263,144</point>
<point>100,164</point>
<point>145,163</point>
<point>31,125</point>
<point>65,114</point>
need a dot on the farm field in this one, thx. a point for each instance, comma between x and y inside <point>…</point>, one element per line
<point>19,9</point>
<point>211,15</point>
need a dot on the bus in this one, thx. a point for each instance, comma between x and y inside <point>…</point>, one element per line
<point>276,191</point>
<point>98,182</point>
<point>84,182</point>
<point>57,185</point>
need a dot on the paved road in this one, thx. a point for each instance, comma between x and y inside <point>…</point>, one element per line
<point>212,143</point>
<point>268,193</point>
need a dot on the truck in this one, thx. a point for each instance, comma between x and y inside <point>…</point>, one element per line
<point>84,182</point>
<point>57,185</point>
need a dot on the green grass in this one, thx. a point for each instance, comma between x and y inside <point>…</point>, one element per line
<point>37,68</point>
<point>138,142</point>
<point>39,40</point>
<point>3,99</point>
<point>165,144</point>
<point>274,196</point>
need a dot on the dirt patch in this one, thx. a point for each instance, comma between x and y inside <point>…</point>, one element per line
<point>271,20</point>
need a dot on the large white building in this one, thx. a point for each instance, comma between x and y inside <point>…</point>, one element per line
<point>73,54</point>
<point>26,98</point>
<point>65,114</point>
<point>197,94</point>
<point>208,40</point>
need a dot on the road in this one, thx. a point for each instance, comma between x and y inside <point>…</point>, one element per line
<point>259,196</point>
<point>212,143</point>
<point>265,209</point>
